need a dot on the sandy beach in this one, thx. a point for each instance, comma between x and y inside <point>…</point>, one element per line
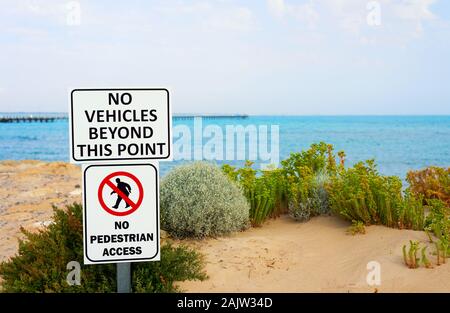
<point>29,190</point>
<point>281,256</point>
<point>316,256</point>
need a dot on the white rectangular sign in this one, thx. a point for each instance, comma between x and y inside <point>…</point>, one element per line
<point>120,213</point>
<point>119,124</point>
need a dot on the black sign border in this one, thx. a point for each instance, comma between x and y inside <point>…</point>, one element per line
<point>72,134</point>
<point>85,215</point>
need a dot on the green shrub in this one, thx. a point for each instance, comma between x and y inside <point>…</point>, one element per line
<point>411,212</point>
<point>297,188</point>
<point>198,200</point>
<point>40,265</point>
<point>308,173</point>
<point>438,222</point>
<point>425,261</point>
<point>319,193</point>
<point>438,219</point>
<point>300,200</point>
<point>277,188</point>
<point>309,183</point>
<point>357,227</point>
<point>265,190</point>
<point>360,193</point>
<point>410,257</point>
<point>432,183</point>
<point>317,158</point>
<point>177,264</point>
<point>309,198</point>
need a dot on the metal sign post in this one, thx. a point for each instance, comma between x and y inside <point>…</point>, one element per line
<point>124,277</point>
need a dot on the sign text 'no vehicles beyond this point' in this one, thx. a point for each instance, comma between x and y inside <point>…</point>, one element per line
<point>120,124</point>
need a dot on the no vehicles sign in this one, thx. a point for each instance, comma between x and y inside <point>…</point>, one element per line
<point>121,213</point>
<point>119,124</point>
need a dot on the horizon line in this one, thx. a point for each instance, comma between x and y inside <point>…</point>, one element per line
<point>254,115</point>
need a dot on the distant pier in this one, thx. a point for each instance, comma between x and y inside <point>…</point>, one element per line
<point>29,118</point>
<point>46,118</point>
<point>209,116</point>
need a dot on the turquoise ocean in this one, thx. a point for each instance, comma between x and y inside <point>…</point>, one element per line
<point>397,143</point>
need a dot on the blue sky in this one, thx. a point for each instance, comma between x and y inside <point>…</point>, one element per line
<point>320,57</point>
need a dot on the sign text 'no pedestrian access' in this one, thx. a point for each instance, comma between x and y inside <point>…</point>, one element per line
<point>120,124</point>
<point>120,213</point>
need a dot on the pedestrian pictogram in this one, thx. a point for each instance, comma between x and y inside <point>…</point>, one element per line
<point>123,190</point>
<point>120,193</point>
<point>121,213</point>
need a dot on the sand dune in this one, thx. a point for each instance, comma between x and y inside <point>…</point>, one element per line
<point>317,256</point>
<point>281,256</point>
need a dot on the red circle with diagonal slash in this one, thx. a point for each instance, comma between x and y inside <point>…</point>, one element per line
<point>107,182</point>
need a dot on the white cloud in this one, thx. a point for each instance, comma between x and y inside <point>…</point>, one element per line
<point>195,16</point>
<point>305,13</point>
<point>348,15</point>
<point>416,10</point>
<point>28,32</point>
<point>277,7</point>
<point>216,45</point>
<point>53,9</point>
<point>401,20</point>
<point>239,19</point>
<point>32,19</point>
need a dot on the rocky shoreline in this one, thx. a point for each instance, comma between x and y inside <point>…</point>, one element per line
<point>29,191</point>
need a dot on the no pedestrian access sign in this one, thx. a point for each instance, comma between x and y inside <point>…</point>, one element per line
<point>120,124</point>
<point>120,213</point>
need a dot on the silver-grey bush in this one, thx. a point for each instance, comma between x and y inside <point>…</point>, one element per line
<point>198,200</point>
<point>315,202</point>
